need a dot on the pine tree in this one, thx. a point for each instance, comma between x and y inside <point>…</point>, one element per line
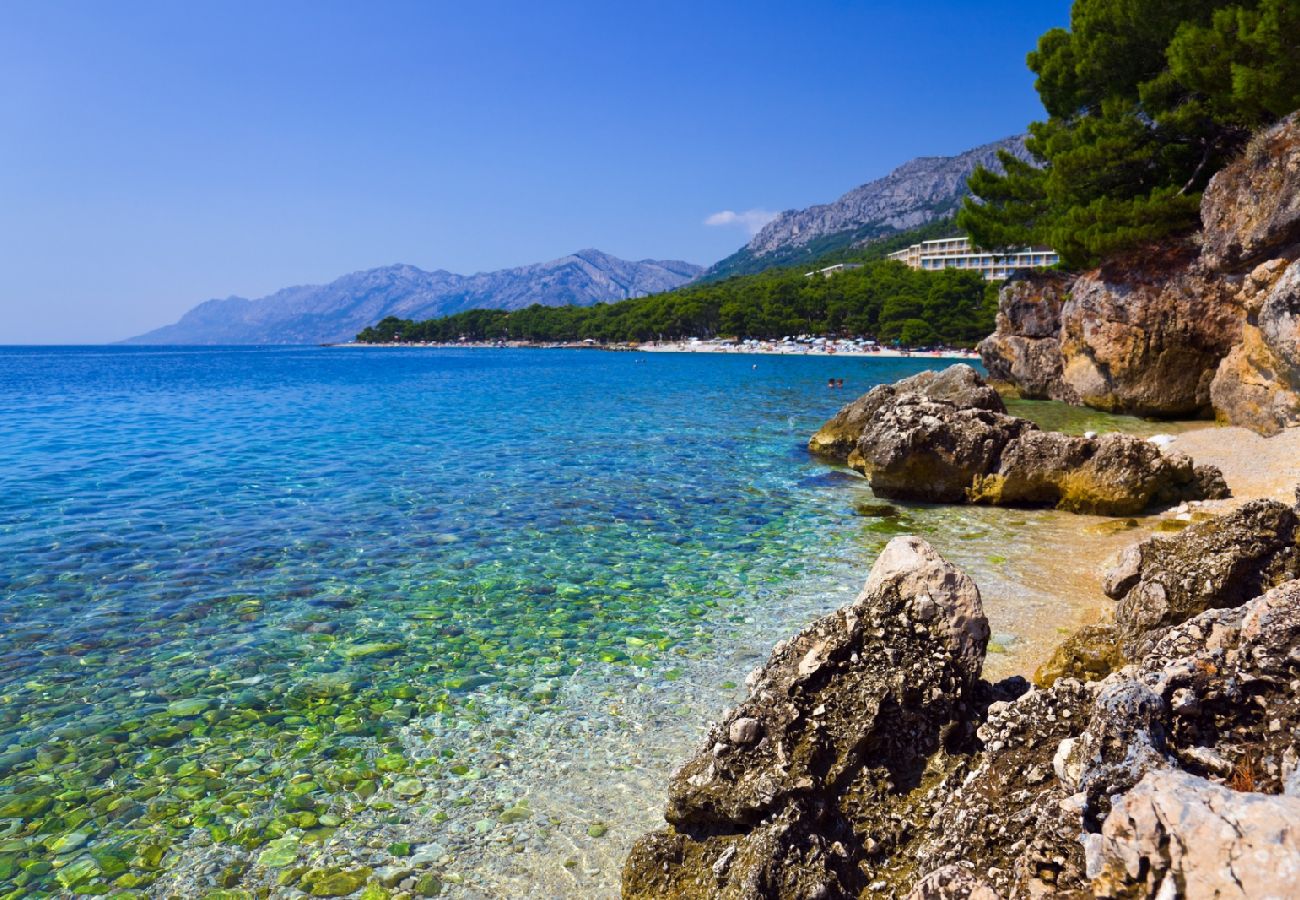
<point>1145,103</point>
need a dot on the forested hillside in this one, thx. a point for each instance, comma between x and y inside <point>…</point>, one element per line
<point>883,299</point>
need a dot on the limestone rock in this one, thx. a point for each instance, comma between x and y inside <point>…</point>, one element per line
<point>1176,834</point>
<point>958,384</point>
<point>1214,564</point>
<point>1257,384</point>
<point>815,701</point>
<point>1024,350</point>
<point>952,883</point>
<point>850,711</point>
<point>1251,208</point>
<point>917,448</point>
<point>1180,330</point>
<point>1005,811</point>
<point>1144,334</point>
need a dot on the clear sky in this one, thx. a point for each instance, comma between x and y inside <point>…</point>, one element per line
<point>153,155</point>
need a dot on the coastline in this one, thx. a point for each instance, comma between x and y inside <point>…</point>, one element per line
<point>1187,575</point>
<point>721,347</point>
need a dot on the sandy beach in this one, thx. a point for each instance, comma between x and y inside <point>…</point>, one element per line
<point>787,348</point>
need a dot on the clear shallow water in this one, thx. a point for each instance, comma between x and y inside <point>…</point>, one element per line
<point>268,617</point>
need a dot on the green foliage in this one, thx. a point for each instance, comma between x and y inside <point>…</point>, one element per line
<point>883,299</point>
<point>1145,103</point>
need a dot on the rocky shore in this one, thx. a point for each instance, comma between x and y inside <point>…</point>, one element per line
<point>1207,327</point>
<point>946,437</point>
<point>1155,755</point>
<point>1157,752</point>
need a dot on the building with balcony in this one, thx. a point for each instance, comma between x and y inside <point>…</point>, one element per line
<point>957,253</point>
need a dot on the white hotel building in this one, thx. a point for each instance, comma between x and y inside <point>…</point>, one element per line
<point>957,253</point>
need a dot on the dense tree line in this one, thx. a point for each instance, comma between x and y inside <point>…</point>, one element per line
<point>884,300</point>
<point>1145,102</point>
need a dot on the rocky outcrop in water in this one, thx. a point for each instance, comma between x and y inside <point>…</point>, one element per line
<point>946,438</point>
<point>1205,328</point>
<point>839,718</point>
<point>959,385</point>
<point>869,758</point>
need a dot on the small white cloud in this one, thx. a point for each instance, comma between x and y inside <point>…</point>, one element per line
<point>752,220</point>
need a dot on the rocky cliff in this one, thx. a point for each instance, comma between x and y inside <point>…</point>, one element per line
<point>1206,328</point>
<point>338,310</point>
<point>871,759</point>
<point>917,192</point>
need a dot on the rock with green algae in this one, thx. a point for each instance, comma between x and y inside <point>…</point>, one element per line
<point>408,787</point>
<point>333,882</point>
<point>1090,654</point>
<point>375,649</point>
<point>427,885</point>
<point>279,853</point>
<point>189,708</point>
<point>1113,526</point>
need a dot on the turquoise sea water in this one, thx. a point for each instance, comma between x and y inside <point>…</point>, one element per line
<point>284,620</point>
<point>277,598</point>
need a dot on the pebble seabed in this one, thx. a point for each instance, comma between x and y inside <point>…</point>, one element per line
<point>471,693</point>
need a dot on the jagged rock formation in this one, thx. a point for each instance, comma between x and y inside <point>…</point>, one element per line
<point>337,311</point>
<point>869,760</point>
<point>947,439</point>
<point>788,789</point>
<point>1210,328</point>
<point>1025,349</point>
<point>1221,562</point>
<point>920,191</point>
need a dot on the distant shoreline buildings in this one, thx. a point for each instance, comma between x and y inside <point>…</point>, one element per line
<point>957,253</point>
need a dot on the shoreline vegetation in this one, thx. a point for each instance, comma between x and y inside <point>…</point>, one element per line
<point>876,298</point>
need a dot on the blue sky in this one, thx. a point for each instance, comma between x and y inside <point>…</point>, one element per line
<point>155,155</point>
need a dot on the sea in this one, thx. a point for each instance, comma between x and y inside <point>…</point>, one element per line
<point>370,620</point>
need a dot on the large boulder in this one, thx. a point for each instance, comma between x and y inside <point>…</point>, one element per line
<point>840,720</point>
<point>1144,334</point>
<point>1024,350</point>
<point>915,447</point>
<point>919,449</point>
<point>1257,384</point>
<point>1221,562</point>
<point>1251,209</point>
<point>958,384</point>
<point>1175,775</point>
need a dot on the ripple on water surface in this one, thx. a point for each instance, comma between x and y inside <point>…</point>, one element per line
<point>314,619</point>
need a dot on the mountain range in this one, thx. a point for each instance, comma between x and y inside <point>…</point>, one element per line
<point>311,314</point>
<point>923,190</point>
<point>919,191</point>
